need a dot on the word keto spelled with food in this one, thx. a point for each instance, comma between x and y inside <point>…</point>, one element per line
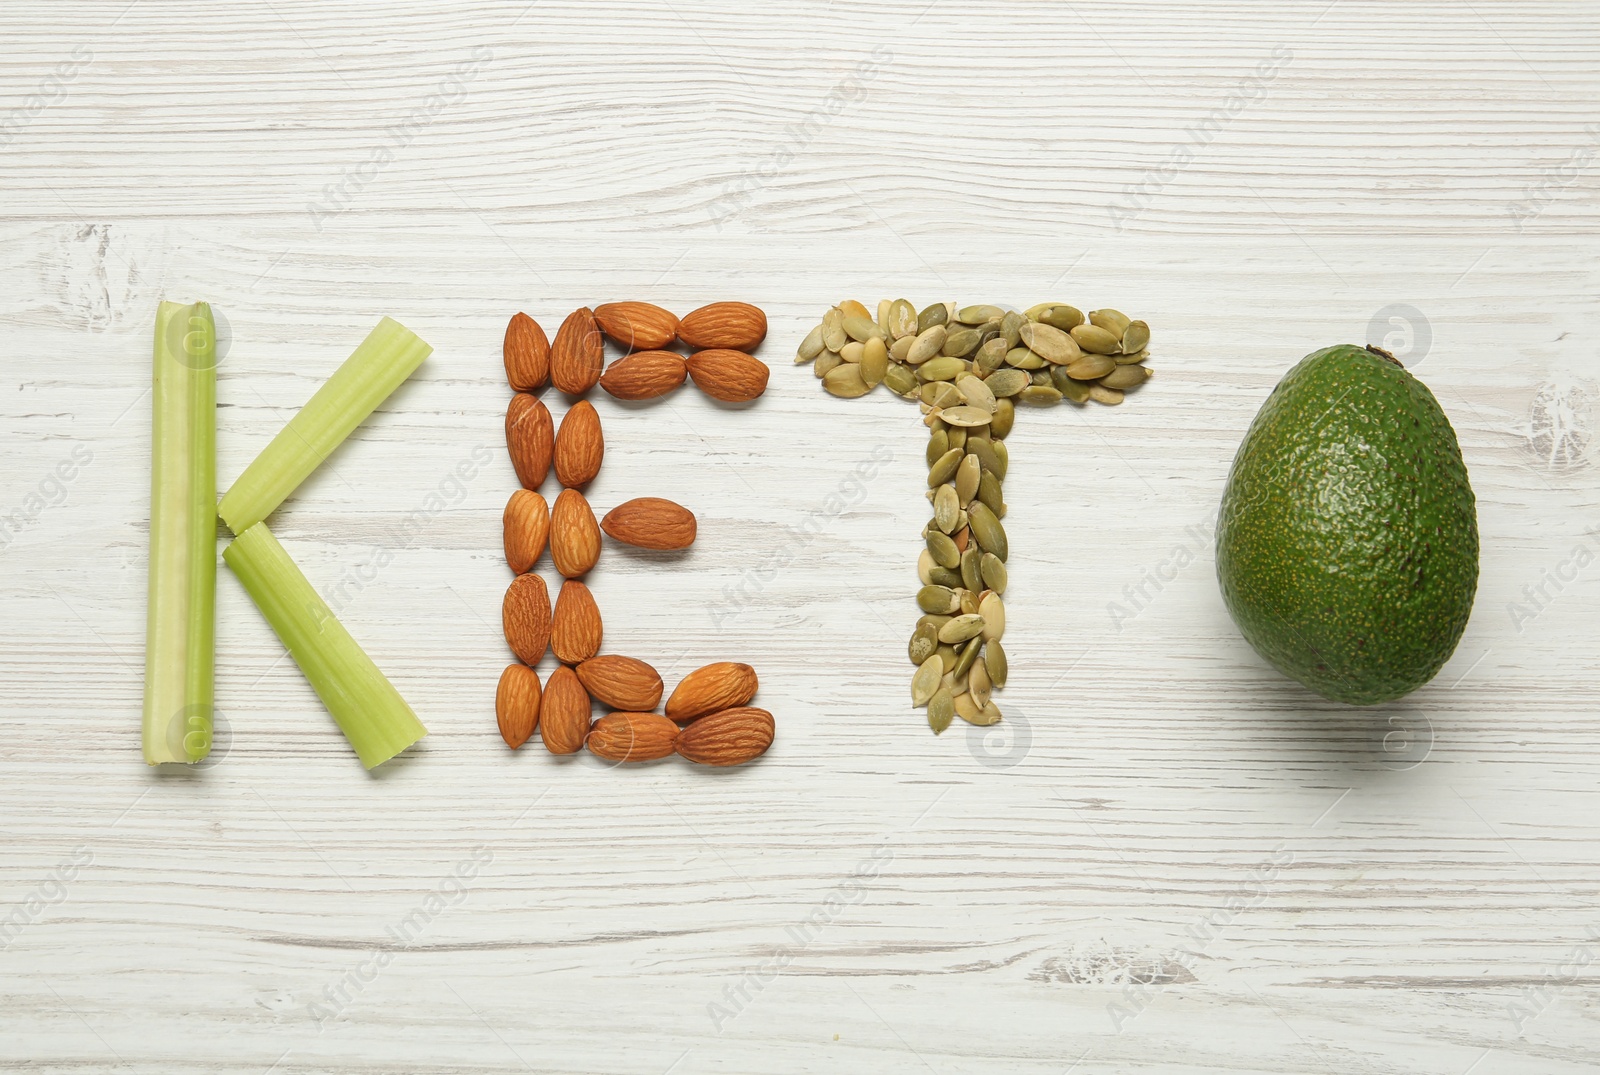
<point>968,368</point>
<point>708,718</point>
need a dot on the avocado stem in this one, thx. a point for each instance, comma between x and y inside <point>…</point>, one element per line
<point>1385,354</point>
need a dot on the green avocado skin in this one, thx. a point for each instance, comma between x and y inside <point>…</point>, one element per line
<point>1347,543</point>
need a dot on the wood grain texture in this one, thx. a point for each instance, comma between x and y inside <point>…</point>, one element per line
<point>1168,859</point>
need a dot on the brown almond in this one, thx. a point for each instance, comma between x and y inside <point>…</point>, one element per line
<point>527,354</point>
<point>730,737</point>
<point>644,374</point>
<point>731,376</point>
<point>715,687</point>
<point>525,616</point>
<point>564,712</point>
<point>575,627</point>
<point>579,447</point>
<point>530,438</point>
<point>633,737</point>
<point>734,325</point>
<point>649,522</point>
<point>516,704</point>
<point>574,535</point>
<point>526,524</point>
<point>578,353</point>
<point>621,682</point>
<point>637,326</point>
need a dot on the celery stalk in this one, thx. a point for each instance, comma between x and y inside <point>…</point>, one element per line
<point>389,354</point>
<point>179,691</point>
<point>367,708</point>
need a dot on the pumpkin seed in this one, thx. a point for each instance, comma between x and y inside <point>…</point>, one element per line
<point>946,506</point>
<point>941,369</point>
<point>833,334</point>
<point>991,356</point>
<point>902,319</point>
<point>958,436</point>
<point>977,315</point>
<point>966,416</point>
<point>810,347</point>
<point>827,362</point>
<point>1077,391</point>
<point>1126,377</point>
<point>993,611</point>
<point>961,628</point>
<point>986,529</point>
<point>944,576</point>
<point>961,342</point>
<point>941,710</point>
<point>939,600</point>
<point>979,684</point>
<point>874,363</point>
<point>924,640</point>
<point>1128,360</point>
<point>1041,378</point>
<point>1136,337</point>
<point>978,395</point>
<point>967,477</point>
<point>1003,383</point>
<point>1002,455</point>
<point>899,349</point>
<point>1096,340</point>
<point>846,381</point>
<point>861,328</point>
<point>1091,367</point>
<point>937,314</point>
<point>946,396</point>
<point>972,567</point>
<point>965,708</point>
<point>883,315</point>
<point>1011,328</point>
<point>937,621</point>
<point>1023,359</point>
<point>944,550</point>
<point>988,458</point>
<point>926,681</point>
<point>852,351</point>
<point>1062,317</point>
<point>947,659</point>
<point>925,566</point>
<point>901,381</point>
<point>994,658</point>
<point>1113,321</point>
<point>992,570</point>
<point>1049,343</point>
<point>1005,415</point>
<point>926,345</point>
<point>938,444</point>
<point>1109,396</point>
<point>1040,395</point>
<point>987,716</point>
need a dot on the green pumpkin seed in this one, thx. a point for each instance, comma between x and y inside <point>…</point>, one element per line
<point>862,328</point>
<point>827,362</point>
<point>883,315</point>
<point>899,349</point>
<point>991,356</point>
<point>967,653</point>
<point>994,658</point>
<point>1049,343</point>
<point>978,683</point>
<point>947,659</point>
<point>901,381</point>
<point>944,576</point>
<point>1040,395</point>
<point>939,600</point>
<point>986,530</point>
<point>944,550</point>
<point>961,342</point>
<point>937,621</point>
<point>810,347</point>
<point>925,566</point>
<point>967,476</point>
<point>965,707</point>
<point>966,416</point>
<point>833,334</point>
<point>977,315</point>
<point>1023,359</point>
<point>924,641</point>
<point>944,467</point>
<point>1101,394</point>
<point>902,319</point>
<point>972,567</point>
<point>1002,455</point>
<point>851,352</point>
<point>946,396</point>
<point>937,314</point>
<point>1004,383</point>
<point>1062,317</point>
<point>946,506</point>
<point>988,458</point>
<point>1011,328</point>
<point>1041,378</point>
<point>1032,313</point>
<point>1125,377</point>
<point>1130,359</point>
<point>1091,367</point>
<point>846,381</point>
<point>1136,337</point>
<point>989,494</point>
<point>987,716</point>
<point>938,444</point>
<point>941,369</point>
<point>958,436</point>
<point>1077,391</point>
<point>1113,321</point>
<point>941,710</point>
<point>926,681</point>
<point>961,628</point>
<point>993,611</point>
<point>1096,340</point>
<point>874,363</point>
<point>1005,415</point>
<point>991,568</point>
<point>927,345</point>
<point>978,395</point>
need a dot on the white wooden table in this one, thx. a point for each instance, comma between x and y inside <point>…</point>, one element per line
<point>1168,859</point>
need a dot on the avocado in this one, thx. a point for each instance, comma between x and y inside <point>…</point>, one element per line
<point>1347,543</point>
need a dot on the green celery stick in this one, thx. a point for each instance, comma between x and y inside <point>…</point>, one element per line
<point>389,354</point>
<point>367,708</point>
<point>179,691</point>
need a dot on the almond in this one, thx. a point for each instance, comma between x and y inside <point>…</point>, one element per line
<point>525,616</point>
<point>527,354</point>
<point>530,438</point>
<point>564,713</point>
<point>637,326</point>
<point>650,522</point>
<point>621,682</point>
<point>516,704</point>
<point>527,527</point>
<point>735,325</point>
<point>712,688</point>
<point>731,376</point>
<point>731,737</point>
<point>578,354</point>
<point>644,374</point>
<point>579,446</point>
<point>574,535</point>
<point>633,737</point>
<point>575,627</point>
